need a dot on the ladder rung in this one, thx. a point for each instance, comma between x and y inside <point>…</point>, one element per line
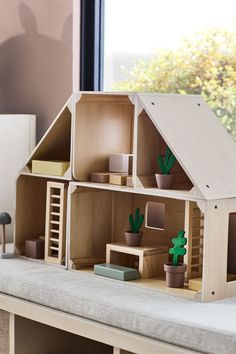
<point>55,222</point>
<point>197,228</point>
<point>197,256</point>
<point>55,205</point>
<point>195,247</point>
<point>54,213</point>
<point>56,196</point>
<point>54,248</point>
<point>196,265</point>
<point>54,239</point>
<point>197,237</point>
<point>55,231</point>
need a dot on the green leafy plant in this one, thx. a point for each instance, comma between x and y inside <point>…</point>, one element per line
<point>201,64</point>
<point>178,250</point>
<point>136,222</point>
<point>166,163</point>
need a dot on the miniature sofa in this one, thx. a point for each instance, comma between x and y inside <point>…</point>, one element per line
<point>203,327</point>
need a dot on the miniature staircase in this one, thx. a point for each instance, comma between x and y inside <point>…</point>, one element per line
<point>55,232</point>
<point>194,227</point>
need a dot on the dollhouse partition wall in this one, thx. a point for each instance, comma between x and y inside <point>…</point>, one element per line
<point>91,127</point>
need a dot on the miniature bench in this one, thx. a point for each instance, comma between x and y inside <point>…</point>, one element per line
<point>150,259</point>
<point>118,315</point>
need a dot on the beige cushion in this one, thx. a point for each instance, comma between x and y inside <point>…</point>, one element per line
<point>208,328</point>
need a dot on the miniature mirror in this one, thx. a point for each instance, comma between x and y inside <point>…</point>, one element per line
<point>155,215</point>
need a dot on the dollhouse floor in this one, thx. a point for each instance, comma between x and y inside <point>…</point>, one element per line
<point>175,194</point>
<point>157,284</point>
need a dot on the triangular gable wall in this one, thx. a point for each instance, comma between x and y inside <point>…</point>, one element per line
<point>56,142</point>
<point>150,144</point>
<point>201,144</point>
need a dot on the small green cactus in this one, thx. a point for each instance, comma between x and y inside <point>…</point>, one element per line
<point>136,223</point>
<point>178,250</point>
<point>166,163</point>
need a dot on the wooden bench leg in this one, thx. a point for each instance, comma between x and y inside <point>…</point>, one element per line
<point>11,333</point>
<point>4,332</point>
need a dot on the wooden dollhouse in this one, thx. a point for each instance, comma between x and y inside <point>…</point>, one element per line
<point>83,221</point>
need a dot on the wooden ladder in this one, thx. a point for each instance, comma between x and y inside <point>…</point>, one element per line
<point>194,227</point>
<point>55,228</point>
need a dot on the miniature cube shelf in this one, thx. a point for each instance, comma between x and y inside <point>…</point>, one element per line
<point>90,128</point>
<point>150,259</point>
<point>121,163</point>
<point>35,248</point>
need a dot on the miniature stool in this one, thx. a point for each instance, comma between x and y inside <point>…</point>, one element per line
<point>150,259</point>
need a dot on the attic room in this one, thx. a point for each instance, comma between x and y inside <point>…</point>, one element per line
<point>118,198</point>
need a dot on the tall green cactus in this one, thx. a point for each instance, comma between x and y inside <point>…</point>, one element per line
<point>178,250</point>
<point>166,163</point>
<point>136,223</point>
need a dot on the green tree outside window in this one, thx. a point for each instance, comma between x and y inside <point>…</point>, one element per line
<point>204,64</point>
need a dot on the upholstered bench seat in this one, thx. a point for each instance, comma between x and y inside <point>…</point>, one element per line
<point>207,328</point>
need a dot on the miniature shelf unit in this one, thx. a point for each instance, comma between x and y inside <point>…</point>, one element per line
<point>90,215</point>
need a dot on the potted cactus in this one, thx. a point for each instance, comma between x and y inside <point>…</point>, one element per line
<point>175,270</point>
<point>134,236</point>
<point>165,180</point>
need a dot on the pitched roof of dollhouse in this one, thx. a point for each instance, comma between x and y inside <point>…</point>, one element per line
<point>201,144</point>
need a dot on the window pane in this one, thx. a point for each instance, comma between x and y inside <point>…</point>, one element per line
<point>174,47</point>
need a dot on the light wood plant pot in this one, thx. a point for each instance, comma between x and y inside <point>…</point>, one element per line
<point>133,239</point>
<point>164,181</point>
<point>175,275</point>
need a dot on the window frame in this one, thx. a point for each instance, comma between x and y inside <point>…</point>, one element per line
<point>92,45</point>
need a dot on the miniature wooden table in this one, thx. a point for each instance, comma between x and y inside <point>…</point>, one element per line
<point>150,259</point>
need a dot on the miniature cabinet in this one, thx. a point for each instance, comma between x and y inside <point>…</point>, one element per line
<point>93,126</point>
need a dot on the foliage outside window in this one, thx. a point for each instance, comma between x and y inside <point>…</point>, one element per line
<point>203,64</point>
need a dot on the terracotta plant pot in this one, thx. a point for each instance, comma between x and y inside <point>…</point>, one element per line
<point>164,181</point>
<point>175,275</point>
<point>133,239</point>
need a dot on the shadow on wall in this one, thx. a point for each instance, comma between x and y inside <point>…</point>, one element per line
<point>36,71</point>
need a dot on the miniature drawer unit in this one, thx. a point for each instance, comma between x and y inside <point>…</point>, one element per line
<point>136,167</point>
<point>150,260</point>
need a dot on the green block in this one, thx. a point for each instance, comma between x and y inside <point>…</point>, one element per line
<point>115,271</point>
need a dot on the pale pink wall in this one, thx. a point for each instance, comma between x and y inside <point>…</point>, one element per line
<point>35,57</point>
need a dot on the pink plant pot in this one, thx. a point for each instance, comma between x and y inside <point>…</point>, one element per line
<point>175,275</point>
<point>133,239</point>
<point>164,181</point>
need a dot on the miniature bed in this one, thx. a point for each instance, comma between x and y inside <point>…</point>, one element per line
<point>70,198</point>
<point>52,311</point>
